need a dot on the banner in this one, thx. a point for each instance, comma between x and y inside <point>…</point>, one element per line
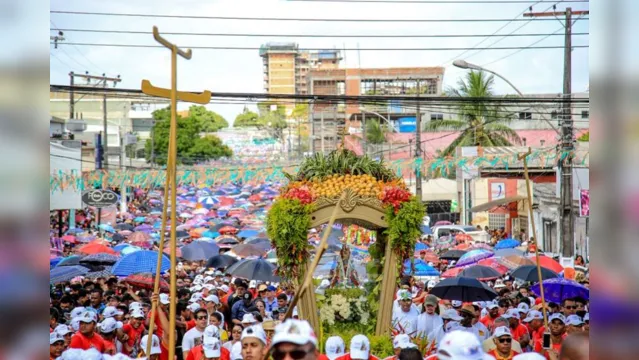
<point>584,203</point>
<point>439,167</point>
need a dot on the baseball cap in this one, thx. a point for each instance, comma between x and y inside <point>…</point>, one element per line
<point>534,315</point>
<point>88,316</point>
<point>212,298</point>
<point>137,314</point>
<point>155,344</point>
<point>54,337</point>
<point>164,299</point>
<point>491,305</point>
<point>196,288</point>
<point>431,284</point>
<point>212,331</point>
<point>75,323</point>
<point>404,295</point>
<point>271,288</point>
<point>335,347</point>
<point>529,356</point>
<point>252,284</point>
<point>248,319</point>
<point>511,313</point>
<point>261,287</point>
<point>451,314</point>
<point>360,347</point>
<point>77,311</point>
<point>111,311</point>
<point>294,331</point>
<point>557,317</point>
<point>461,345</point>
<point>502,331</point>
<point>109,325</point>
<point>135,305</point>
<point>574,320</point>
<point>225,288</point>
<point>255,331</point>
<point>212,347</point>
<point>218,273</point>
<point>402,341</point>
<point>499,284</point>
<point>193,307</point>
<point>208,287</point>
<point>209,278</point>
<point>62,329</point>
<point>456,303</point>
<point>523,308</point>
<point>247,296</point>
<point>195,297</point>
<point>431,300</point>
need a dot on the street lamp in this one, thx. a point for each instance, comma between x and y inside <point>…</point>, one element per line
<point>463,64</point>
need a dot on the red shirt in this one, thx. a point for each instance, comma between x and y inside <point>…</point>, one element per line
<point>557,347</point>
<point>79,341</point>
<point>488,322</point>
<point>109,347</point>
<point>135,335</point>
<point>322,357</point>
<point>347,356</point>
<point>494,354</point>
<point>537,335</point>
<point>518,332</point>
<point>197,352</point>
<point>190,324</point>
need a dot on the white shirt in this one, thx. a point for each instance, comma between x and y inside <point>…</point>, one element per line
<point>437,335</point>
<point>406,322</point>
<point>427,323</point>
<point>482,331</point>
<point>191,339</point>
<point>228,345</point>
<point>472,330</point>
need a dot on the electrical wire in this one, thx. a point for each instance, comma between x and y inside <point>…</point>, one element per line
<point>172,16</point>
<point>439,2</point>
<point>77,49</point>
<point>137,32</point>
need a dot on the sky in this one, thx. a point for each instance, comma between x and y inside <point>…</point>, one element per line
<point>532,71</point>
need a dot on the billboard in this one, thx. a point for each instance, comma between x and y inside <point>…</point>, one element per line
<point>407,124</point>
<point>584,202</point>
<point>65,159</point>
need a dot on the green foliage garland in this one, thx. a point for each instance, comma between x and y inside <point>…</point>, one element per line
<point>287,225</point>
<point>404,228</point>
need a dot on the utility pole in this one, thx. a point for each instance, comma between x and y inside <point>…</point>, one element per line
<point>364,149</point>
<point>71,96</point>
<point>567,127</point>
<point>418,147</point>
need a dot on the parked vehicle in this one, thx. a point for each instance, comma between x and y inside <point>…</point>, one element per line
<point>452,230</point>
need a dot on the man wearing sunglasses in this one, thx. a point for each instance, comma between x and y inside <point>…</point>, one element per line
<point>294,340</point>
<point>569,307</point>
<point>193,337</point>
<point>503,344</point>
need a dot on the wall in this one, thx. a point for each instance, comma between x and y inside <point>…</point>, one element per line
<point>481,193</point>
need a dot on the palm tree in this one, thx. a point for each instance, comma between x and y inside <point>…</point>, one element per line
<point>375,133</point>
<point>480,123</point>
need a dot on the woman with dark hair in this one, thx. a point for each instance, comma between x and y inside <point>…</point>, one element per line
<point>236,335</point>
<point>410,354</point>
<point>579,261</point>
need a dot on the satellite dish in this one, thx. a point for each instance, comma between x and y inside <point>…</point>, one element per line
<point>76,125</point>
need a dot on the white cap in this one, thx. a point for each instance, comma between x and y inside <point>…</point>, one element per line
<point>456,303</point>
<point>402,341</point>
<point>193,307</point>
<point>62,329</point>
<point>451,314</point>
<point>360,347</point>
<point>212,298</point>
<point>236,351</point>
<point>225,288</point>
<point>54,337</point>
<point>75,323</point>
<point>137,314</point>
<point>499,285</point>
<point>574,320</point>
<point>164,299</point>
<point>195,289</point>
<point>155,344</point>
<point>135,305</point>
<point>523,308</point>
<point>218,273</point>
<point>534,315</point>
<point>335,347</point>
<point>294,331</point>
<point>404,295</point>
<point>255,331</point>
<point>77,311</point>
<point>501,331</point>
<point>111,311</point>
<point>88,316</point>
<point>511,313</point>
<point>212,347</point>
<point>195,297</point>
<point>529,356</point>
<point>209,278</point>
<point>109,325</point>
<point>461,345</point>
<point>248,318</point>
<point>252,284</point>
<point>491,305</point>
<point>557,317</point>
<point>212,331</point>
<point>431,284</point>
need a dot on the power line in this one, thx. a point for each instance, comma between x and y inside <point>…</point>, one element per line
<point>135,32</point>
<point>77,49</point>
<point>320,49</point>
<point>441,2</point>
<point>170,16</point>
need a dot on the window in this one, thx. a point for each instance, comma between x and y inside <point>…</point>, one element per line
<point>554,115</point>
<point>525,115</point>
<point>585,114</point>
<point>496,221</point>
<point>436,117</point>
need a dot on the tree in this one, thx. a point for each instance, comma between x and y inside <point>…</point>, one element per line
<point>209,121</point>
<point>375,132</point>
<point>480,123</point>
<point>191,147</point>
<point>246,119</point>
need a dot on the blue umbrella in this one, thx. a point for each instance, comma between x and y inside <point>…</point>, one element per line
<point>70,261</point>
<point>560,289</point>
<point>140,261</point>
<point>426,230</point>
<point>53,262</point>
<point>120,247</point>
<point>66,273</point>
<point>140,219</point>
<point>107,227</point>
<point>130,249</point>
<point>507,244</point>
<point>473,256</point>
<point>199,250</point>
<point>421,246</point>
<point>421,269</point>
<point>247,233</point>
<point>210,234</point>
<point>75,231</point>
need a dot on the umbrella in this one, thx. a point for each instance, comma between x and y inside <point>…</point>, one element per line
<point>143,227</point>
<point>529,273</point>
<point>220,261</point>
<point>228,230</point>
<point>463,289</point>
<point>452,254</point>
<point>508,252</point>
<point>140,261</point>
<point>443,222</point>
<point>480,272</point>
<point>559,289</point>
<point>139,219</point>
<point>256,269</point>
<point>426,230</point>
<point>246,250</point>
<point>145,280</point>
<point>452,272</point>
<point>185,215</point>
<point>129,249</point>
<point>463,237</point>
<point>507,244</point>
<point>124,226</point>
<point>95,248</point>
<point>105,272</point>
<point>199,250</point>
<point>513,261</point>
<point>70,261</point>
<point>246,233</point>
<point>429,256</point>
<point>119,237</point>
<point>227,240</point>
<point>481,246</point>
<point>75,231</point>
<point>106,227</point>
<point>421,246</point>
<point>548,263</point>
<point>257,240</point>
<point>69,239</point>
<point>53,261</point>
<point>210,234</point>
<point>444,242</point>
<point>421,269</point>
<point>473,256</point>
<point>494,263</point>
<point>462,246</point>
<point>101,258</point>
<point>66,273</point>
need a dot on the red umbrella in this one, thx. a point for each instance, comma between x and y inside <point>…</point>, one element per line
<point>493,263</point>
<point>226,201</point>
<point>227,230</point>
<point>463,237</point>
<point>178,251</point>
<point>464,246</point>
<point>451,273</point>
<point>95,248</point>
<point>254,198</point>
<point>548,263</point>
<point>443,222</point>
<point>429,256</point>
<point>69,239</point>
<point>145,280</point>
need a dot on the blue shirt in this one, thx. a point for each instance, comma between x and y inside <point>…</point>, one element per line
<point>270,306</point>
<point>238,310</point>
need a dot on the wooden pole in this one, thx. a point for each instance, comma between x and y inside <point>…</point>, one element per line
<point>534,230</point>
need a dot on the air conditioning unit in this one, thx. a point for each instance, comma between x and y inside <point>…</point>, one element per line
<point>76,125</point>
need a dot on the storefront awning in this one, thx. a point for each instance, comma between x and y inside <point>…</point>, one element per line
<point>491,204</point>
